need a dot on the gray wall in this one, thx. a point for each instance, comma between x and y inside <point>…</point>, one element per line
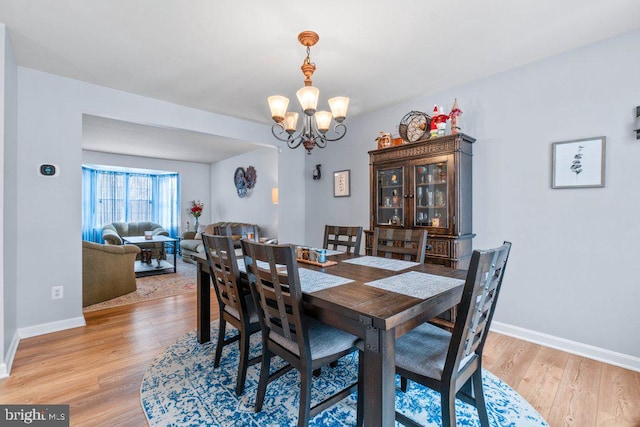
<point>256,206</point>
<point>574,271</point>
<point>50,110</point>
<point>194,178</point>
<point>8,209</point>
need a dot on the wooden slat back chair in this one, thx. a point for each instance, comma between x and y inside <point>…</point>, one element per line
<point>336,237</point>
<point>305,343</point>
<point>406,244</point>
<point>240,232</point>
<point>451,363</point>
<point>234,301</point>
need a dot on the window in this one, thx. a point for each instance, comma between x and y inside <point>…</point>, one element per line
<point>110,195</point>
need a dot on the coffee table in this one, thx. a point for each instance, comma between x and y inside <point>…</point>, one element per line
<point>158,266</point>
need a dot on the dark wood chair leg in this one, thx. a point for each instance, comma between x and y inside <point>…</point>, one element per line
<point>243,343</point>
<point>478,393</point>
<point>448,402</point>
<point>317,372</point>
<point>404,384</point>
<point>264,378</point>
<point>304,412</point>
<point>334,364</point>
<point>222,330</point>
<point>360,412</point>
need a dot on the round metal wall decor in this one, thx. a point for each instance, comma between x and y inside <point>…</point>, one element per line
<point>244,180</point>
<point>240,182</point>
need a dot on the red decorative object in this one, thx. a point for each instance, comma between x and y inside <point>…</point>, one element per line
<point>196,208</point>
<point>438,122</point>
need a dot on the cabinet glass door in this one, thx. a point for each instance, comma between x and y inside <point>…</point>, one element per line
<point>390,196</point>
<point>431,195</point>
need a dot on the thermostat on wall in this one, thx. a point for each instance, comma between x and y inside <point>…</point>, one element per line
<point>48,169</point>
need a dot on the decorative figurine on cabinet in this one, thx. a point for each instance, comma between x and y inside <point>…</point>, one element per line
<point>438,122</point>
<point>454,115</point>
<point>384,140</point>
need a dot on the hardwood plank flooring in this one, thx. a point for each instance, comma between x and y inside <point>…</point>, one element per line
<point>98,369</point>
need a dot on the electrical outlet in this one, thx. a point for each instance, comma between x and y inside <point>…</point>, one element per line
<point>57,292</point>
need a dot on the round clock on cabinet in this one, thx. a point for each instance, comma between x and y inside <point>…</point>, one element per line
<point>414,126</point>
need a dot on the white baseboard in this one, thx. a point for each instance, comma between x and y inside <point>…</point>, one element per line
<point>600,354</point>
<point>5,368</point>
<point>47,328</point>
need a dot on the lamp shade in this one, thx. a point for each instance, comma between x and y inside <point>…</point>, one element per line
<point>323,121</point>
<point>339,106</point>
<point>274,195</point>
<point>308,98</point>
<point>290,122</point>
<point>278,105</point>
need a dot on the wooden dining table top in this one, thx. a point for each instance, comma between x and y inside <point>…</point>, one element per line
<point>387,309</point>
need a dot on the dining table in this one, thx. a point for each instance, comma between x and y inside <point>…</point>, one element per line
<point>376,299</point>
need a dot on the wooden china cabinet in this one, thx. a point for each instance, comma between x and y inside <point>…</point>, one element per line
<point>426,185</point>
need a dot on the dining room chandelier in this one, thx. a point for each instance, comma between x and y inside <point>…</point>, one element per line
<point>316,124</point>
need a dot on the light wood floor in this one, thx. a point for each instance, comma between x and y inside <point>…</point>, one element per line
<point>98,369</point>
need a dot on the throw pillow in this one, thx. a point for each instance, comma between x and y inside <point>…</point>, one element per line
<point>201,229</point>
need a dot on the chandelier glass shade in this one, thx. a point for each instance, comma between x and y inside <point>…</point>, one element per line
<point>315,130</point>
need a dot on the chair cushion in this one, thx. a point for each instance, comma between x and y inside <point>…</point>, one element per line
<point>423,350</point>
<point>251,308</point>
<point>324,340</point>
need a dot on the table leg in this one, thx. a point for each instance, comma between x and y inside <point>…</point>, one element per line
<point>204,305</point>
<point>175,253</point>
<point>379,378</point>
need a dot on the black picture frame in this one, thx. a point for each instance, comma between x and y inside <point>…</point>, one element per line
<point>342,183</point>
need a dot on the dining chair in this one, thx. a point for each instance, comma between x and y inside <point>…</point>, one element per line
<point>240,231</point>
<point>451,363</point>
<point>406,244</point>
<point>338,236</point>
<point>303,342</point>
<point>234,301</point>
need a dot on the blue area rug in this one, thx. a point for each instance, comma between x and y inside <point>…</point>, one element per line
<point>181,388</point>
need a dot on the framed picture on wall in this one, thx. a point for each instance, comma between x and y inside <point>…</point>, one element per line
<point>342,183</point>
<point>578,163</point>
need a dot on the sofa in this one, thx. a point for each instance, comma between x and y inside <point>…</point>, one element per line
<point>191,242</point>
<point>107,271</point>
<point>113,233</point>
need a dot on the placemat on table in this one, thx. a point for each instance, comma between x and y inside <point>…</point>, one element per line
<point>383,263</point>
<point>416,284</point>
<point>310,280</point>
<point>331,252</point>
<point>313,281</point>
<point>261,264</point>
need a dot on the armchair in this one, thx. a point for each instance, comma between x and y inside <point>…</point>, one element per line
<point>107,271</point>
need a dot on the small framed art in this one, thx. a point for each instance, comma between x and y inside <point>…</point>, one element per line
<point>578,163</point>
<point>342,183</point>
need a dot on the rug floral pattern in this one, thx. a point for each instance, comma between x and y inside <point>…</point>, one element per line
<point>153,287</point>
<point>182,388</point>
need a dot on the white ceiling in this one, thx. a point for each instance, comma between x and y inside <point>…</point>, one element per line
<point>227,57</point>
